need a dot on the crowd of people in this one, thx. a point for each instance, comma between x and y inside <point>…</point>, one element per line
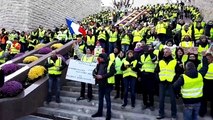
<point>166,51</point>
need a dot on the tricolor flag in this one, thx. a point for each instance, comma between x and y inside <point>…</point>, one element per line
<point>75,28</point>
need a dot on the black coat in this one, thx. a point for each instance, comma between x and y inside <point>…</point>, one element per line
<point>1,77</point>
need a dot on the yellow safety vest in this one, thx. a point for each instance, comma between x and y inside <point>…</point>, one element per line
<point>125,40</point>
<point>192,87</point>
<point>102,35</point>
<point>2,60</point>
<point>129,71</point>
<point>186,33</point>
<point>41,33</point>
<point>150,40</point>
<point>201,49</point>
<point>91,40</point>
<point>98,51</point>
<point>89,59</point>
<point>13,50</point>
<point>209,74</point>
<point>118,64</point>
<point>113,36</point>
<point>81,48</point>
<point>186,44</point>
<point>211,33</point>
<point>161,28</point>
<point>110,80</point>
<point>167,71</point>
<point>137,36</point>
<point>198,33</point>
<point>147,64</point>
<point>54,70</point>
<point>22,39</point>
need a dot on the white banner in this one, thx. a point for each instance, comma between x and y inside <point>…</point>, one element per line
<point>80,71</point>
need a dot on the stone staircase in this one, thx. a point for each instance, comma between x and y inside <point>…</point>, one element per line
<point>71,109</point>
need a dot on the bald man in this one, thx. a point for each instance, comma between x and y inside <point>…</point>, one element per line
<point>167,70</point>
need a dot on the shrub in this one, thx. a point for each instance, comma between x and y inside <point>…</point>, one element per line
<point>10,68</point>
<point>45,50</point>
<point>30,59</point>
<point>18,55</point>
<point>56,46</point>
<point>11,89</point>
<point>39,46</point>
<point>36,72</point>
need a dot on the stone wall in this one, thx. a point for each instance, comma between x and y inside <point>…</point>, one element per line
<point>206,8</point>
<point>29,14</point>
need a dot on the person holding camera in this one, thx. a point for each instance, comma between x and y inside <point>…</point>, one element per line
<point>130,69</point>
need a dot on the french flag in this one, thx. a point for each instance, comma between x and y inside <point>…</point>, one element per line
<point>75,28</point>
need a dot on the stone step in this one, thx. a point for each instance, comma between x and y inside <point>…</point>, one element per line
<point>32,117</point>
<point>72,115</point>
<point>117,106</point>
<point>117,114</point>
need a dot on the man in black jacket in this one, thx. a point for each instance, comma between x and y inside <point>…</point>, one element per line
<point>102,73</point>
<point>191,85</point>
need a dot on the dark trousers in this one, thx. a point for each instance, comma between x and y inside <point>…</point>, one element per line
<point>119,85</point>
<point>148,88</point>
<point>207,96</point>
<point>104,92</point>
<point>129,82</point>
<point>163,88</point>
<point>54,85</point>
<point>89,90</point>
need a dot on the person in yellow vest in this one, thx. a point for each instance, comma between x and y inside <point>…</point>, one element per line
<point>119,87</point>
<point>208,84</point>
<point>198,31</point>
<point>161,31</point>
<point>3,56</point>
<point>186,42</point>
<point>150,36</point>
<point>102,36</point>
<point>32,43</point>
<point>91,40</point>
<point>167,69</point>
<point>63,35</point>
<point>130,68</point>
<point>136,36</point>
<point>203,45</point>
<point>148,77</point>
<point>125,41</point>
<point>113,37</point>
<point>104,75</point>
<point>41,34</point>
<point>55,65</point>
<point>190,84</point>
<point>15,48</point>
<point>88,57</point>
<point>23,41</point>
<point>82,45</point>
<point>98,49</point>
<point>186,31</point>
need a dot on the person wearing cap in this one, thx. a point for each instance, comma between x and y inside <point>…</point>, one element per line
<point>207,90</point>
<point>104,76</point>
<point>130,67</point>
<point>88,57</point>
<point>167,69</point>
<point>54,65</point>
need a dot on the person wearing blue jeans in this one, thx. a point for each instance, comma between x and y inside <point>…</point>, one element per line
<point>112,45</point>
<point>124,48</point>
<point>55,65</point>
<point>191,86</point>
<point>167,69</point>
<point>130,69</point>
